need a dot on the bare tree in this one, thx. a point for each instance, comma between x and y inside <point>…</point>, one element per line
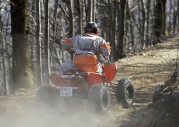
<point>178,15</point>
<point>111,26</point>
<point>160,20</point>
<point>70,5</point>
<point>170,17</point>
<point>54,25</point>
<point>38,45</point>
<point>142,26</point>
<point>79,11</point>
<point>93,10</point>
<point>120,51</point>
<point>3,90</point>
<point>90,8</point>
<point>147,22</point>
<point>46,69</point>
<point>130,25</point>
<point>21,70</point>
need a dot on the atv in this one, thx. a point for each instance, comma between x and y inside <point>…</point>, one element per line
<point>91,86</point>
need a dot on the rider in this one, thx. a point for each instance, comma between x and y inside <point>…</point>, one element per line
<point>89,50</point>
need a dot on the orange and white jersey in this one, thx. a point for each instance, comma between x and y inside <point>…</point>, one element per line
<point>87,44</point>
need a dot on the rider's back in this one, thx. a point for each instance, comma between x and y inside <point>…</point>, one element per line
<point>87,43</point>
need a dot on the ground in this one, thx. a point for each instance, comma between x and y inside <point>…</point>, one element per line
<point>146,69</point>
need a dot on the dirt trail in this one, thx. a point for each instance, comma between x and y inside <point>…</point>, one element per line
<point>145,69</point>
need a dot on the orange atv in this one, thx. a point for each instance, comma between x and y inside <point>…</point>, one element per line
<point>90,86</point>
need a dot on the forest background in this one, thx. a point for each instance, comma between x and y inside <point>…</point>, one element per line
<point>31,32</point>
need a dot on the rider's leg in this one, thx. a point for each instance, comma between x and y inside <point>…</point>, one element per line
<point>66,66</point>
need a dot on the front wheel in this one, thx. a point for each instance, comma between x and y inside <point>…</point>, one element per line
<point>99,97</point>
<point>125,93</point>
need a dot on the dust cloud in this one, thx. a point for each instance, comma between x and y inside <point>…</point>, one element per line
<point>26,112</point>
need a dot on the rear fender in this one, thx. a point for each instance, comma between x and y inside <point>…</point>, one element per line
<point>59,80</point>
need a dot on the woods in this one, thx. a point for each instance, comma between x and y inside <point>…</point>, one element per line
<point>32,32</point>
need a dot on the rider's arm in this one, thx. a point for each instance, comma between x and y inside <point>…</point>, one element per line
<point>67,44</point>
<point>105,49</point>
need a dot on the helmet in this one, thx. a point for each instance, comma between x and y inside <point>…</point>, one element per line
<point>91,27</point>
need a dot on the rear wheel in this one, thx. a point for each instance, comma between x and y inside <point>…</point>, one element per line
<point>125,93</point>
<point>46,94</point>
<point>99,98</point>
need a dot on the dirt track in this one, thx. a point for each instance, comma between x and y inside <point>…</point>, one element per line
<point>145,69</point>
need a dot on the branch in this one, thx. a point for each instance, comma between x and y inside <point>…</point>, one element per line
<point>3,50</point>
<point>63,9</point>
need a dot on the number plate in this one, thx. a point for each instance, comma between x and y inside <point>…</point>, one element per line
<point>66,91</point>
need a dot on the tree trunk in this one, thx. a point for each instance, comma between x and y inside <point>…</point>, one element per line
<point>7,38</point>
<point>170,17</point>
<point>142,32</point>
<point>160,20</point>
<point>178,15</point>
<point>114,24</point>
<point>3,90</point>
<point>54,27</point>
<point>120,51</point>
<point>111,29</point>
<point>21,73</point>
<point>174,23</point>
<point>8,65</point>
<point>94,10</point>
<point>54,36</point>
<point>70,5</point>
<point>147,25</point>
<point>164,24</point>
<point>127,28</point>
<point>79,12</point>
<point>85,8</point>
<point>38,68</point>
<point>71,29</point>
<point>46,45</point>
<point>91,10</point>
<point>4,59</point>
<point>131,34</point>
